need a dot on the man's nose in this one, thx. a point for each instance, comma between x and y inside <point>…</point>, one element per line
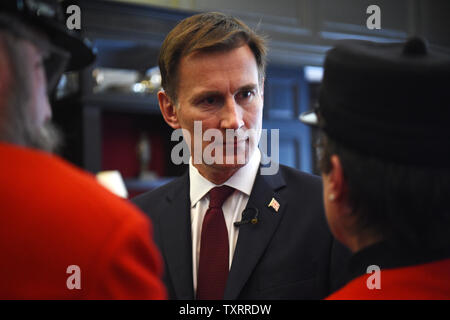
<point>44,112</point>
<point>231,117</point>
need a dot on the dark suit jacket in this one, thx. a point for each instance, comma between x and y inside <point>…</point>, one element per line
<point>289,254</point>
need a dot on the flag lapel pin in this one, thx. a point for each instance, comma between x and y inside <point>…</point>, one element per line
<point>274,205</point>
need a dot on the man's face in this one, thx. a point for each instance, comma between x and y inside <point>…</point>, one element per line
<point>40,106</point>
<point>29,112</point>
<point>222,91</point>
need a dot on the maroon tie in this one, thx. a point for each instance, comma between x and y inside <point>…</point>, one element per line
<point>214,252</point>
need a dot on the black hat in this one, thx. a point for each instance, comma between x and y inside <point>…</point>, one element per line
<point>387,100</point>
<point>48,17</point>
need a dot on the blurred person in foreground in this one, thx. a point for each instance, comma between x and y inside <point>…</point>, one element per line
<point>385,160</point>
<point>62,236</point>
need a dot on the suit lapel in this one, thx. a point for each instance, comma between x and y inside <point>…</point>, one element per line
<point>254,238</point>
<point>176,238</point>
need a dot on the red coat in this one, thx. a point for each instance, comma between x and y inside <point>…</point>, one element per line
<point>52,216</point>
<point>423,282</point>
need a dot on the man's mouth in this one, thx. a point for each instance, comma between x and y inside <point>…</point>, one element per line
<point>235,142</point>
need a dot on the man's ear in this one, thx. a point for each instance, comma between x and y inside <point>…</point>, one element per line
<point>168,110</point>
<point>261,87</point>
<point>340,217</point>
<point>336,179</point>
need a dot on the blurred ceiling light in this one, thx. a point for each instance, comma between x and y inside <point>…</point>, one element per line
<point>313,74</point>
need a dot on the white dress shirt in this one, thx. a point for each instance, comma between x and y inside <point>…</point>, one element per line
<point>232,208</point>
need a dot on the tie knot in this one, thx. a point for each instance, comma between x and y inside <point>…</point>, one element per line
<point>218,195</point>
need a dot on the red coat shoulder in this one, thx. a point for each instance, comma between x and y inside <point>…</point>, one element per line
<point>428,281</point>
<point>53,216</point>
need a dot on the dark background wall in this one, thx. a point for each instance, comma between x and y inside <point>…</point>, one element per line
<point>103,129</point>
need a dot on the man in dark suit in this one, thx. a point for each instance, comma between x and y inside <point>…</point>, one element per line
<point>232,228</point>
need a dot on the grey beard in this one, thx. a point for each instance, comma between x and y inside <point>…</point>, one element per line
<point>20,131</point>
<point>46,137</point>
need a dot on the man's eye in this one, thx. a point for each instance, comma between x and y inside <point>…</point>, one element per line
<point>209,101</point>
<point>246,94</point>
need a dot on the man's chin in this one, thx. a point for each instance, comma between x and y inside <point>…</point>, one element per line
<point>232,162</point>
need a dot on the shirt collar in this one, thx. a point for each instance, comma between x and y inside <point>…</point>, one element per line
<point>242,180</point>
